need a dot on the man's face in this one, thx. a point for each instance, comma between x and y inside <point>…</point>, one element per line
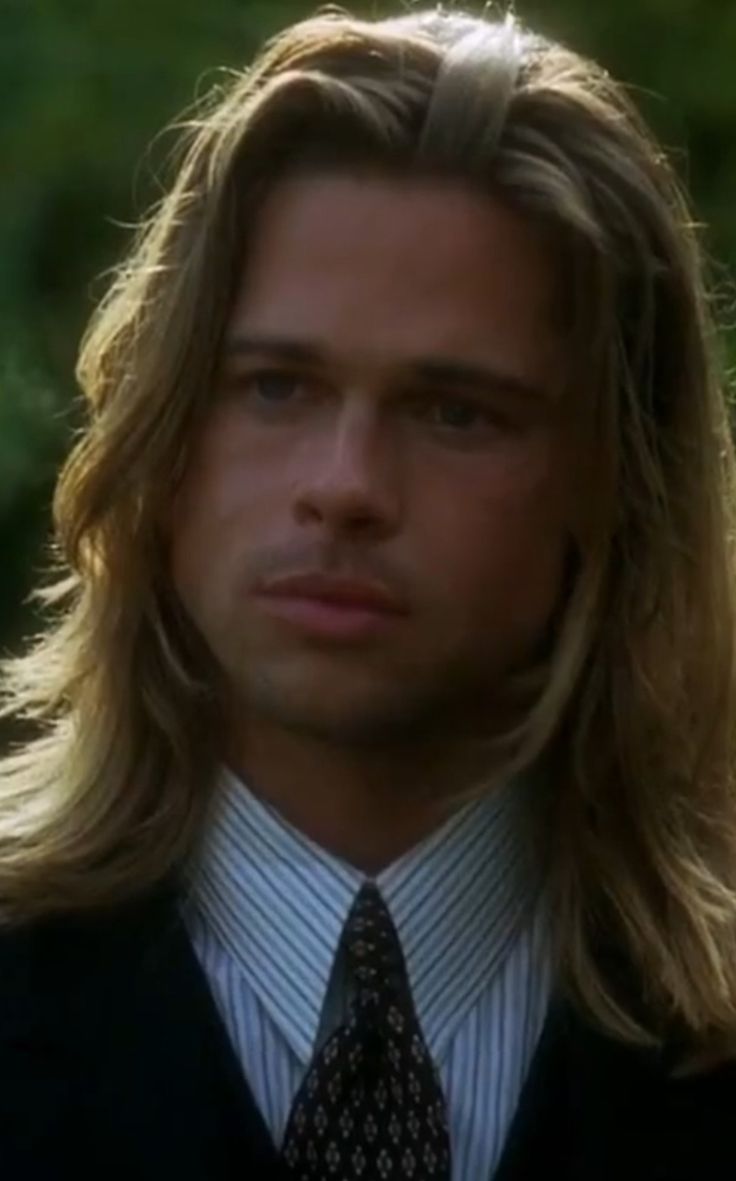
<point>373,526</point>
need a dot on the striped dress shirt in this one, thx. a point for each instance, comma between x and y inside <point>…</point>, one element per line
<point>265,910</point>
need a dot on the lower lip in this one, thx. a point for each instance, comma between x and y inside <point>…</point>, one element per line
<point>321,617</point>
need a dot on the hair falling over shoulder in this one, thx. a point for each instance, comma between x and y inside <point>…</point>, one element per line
<point>635,704</point>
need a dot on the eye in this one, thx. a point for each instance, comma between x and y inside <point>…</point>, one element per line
<point>268,391</point>
<point>457,413</point>
<point>454,413</point>
<point>273,386</point>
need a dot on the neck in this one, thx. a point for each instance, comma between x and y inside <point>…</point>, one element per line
<point>365,805</point>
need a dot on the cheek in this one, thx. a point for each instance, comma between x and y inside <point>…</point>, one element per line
<point>514,557</point>
<point>203,519</point>
<point>190,552</point>
<point>502,544</point>
<point>229,496</point>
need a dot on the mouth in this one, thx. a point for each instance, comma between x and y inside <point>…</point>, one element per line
<point>332,608</point>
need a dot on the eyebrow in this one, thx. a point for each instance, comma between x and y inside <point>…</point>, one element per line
<point>439,371</point>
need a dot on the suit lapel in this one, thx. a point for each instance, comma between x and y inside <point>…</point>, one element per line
<point>112,1037</point>
<point>594,1108</point>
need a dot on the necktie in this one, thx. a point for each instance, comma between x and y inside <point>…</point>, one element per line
<point>371,1105</point>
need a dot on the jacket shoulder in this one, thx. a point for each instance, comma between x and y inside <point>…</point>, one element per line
<point>49,962</point>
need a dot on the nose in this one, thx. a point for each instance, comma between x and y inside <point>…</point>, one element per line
<point>348,477</point>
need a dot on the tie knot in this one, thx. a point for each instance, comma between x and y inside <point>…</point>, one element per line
<point>372,943</point>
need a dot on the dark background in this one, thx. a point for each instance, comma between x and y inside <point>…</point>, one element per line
<point>85,85</point>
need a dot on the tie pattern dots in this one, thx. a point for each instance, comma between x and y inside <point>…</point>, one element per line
<point>371,1106</point>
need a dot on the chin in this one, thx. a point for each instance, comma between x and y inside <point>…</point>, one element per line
<point>356,705</point>
<point>340,725</point>
<point>337,713</point>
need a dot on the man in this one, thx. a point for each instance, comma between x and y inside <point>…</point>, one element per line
<point>380,819</point>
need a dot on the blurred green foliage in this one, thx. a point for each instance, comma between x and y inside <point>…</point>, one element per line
<point>86,84</point>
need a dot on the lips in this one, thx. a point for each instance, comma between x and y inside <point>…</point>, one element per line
<point>346,592</point>
<point>331,606</point>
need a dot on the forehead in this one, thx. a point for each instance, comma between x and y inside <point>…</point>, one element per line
<point>386,268</point>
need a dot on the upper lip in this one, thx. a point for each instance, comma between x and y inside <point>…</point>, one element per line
<point>334,588</point>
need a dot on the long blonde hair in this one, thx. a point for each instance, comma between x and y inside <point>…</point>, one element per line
<point>636,708</point>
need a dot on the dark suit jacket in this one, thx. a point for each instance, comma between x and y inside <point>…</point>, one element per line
<point>114,1063</point>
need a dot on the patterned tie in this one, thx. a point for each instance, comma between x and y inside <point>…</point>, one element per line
<point>371,1105</point>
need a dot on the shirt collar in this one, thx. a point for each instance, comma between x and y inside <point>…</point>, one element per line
<point>278,903</point>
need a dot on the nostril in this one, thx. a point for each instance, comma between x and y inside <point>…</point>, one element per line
<point>347,506</point>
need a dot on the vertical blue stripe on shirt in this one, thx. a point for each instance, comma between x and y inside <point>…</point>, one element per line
<point>266,911</point>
